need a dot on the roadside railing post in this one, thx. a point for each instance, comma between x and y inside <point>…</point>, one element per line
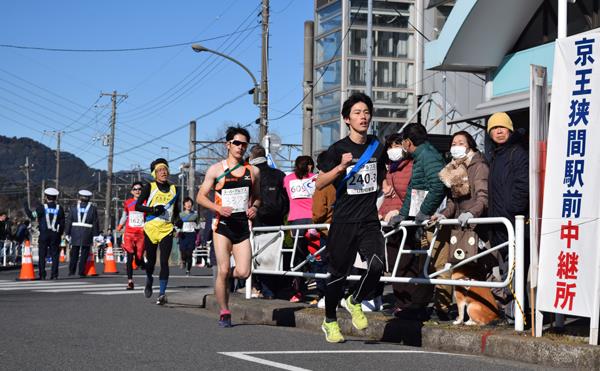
<point>519,274</point>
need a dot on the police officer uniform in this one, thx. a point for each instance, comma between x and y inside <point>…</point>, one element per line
<point>82,226</point>
<point>51,220</point>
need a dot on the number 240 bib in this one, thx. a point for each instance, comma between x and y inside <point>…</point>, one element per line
<point>364,181</point>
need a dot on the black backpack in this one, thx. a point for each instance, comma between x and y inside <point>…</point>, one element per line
<point>275,203</point>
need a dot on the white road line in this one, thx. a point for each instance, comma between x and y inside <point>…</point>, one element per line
<point>43,283</point>
<point>48,288</point>
<point>86,289</point>
<point>124,292</point>
<point>246,356</point>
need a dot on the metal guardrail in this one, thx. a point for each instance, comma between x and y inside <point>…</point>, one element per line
<point>514,243</point>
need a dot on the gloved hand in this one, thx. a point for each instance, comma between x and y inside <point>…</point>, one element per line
<point>420,218</point>
<point>464,217</point>
<point>158,210</point>
<point>396,220</point>
<point>68,238</point>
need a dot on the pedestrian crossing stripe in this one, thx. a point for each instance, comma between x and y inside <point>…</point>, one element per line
<point>73,286</point>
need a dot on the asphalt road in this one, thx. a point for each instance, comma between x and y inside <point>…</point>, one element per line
<point>75,324</point>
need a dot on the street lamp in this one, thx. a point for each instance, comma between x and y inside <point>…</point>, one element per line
<point>199,48</point>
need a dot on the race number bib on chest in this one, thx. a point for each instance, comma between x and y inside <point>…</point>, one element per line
<point>236,198</point>
<point>136,219</point>
<point>302,188</point>
<point>364,181</point>
<point>188,227</point>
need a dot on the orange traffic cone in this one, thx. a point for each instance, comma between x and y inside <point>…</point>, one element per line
<point>90,269</point>
<point>62,256</point>
<point>133,263</point>
<point>27,273</point>
<point>110,266</point>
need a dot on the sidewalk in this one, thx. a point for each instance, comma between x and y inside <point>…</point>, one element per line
<point>498,342</point>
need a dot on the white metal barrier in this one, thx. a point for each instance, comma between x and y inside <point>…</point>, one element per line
<point>515,245</point>
<point>9,253</point>
<point>202,251</point>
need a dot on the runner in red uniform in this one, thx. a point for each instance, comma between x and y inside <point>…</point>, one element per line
<point>133,238</point>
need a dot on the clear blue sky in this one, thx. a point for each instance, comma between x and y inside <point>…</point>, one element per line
<point>42,90</point>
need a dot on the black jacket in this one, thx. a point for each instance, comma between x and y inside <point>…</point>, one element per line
<point>82,235</point>
<point>508,182</point>
<point>40,215</point>
<point>275,202</point>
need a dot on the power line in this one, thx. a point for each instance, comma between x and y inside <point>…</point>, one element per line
<point>175,129</point>
<point>196,72</point>
<point>124,49</point>
<point>324,70</point>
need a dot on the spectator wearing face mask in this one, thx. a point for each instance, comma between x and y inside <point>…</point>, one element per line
<point>467,178</point>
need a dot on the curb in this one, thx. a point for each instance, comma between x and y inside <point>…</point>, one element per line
<point>496,342</point>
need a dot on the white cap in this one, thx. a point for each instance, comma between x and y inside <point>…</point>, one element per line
<point>85,193</point>
<point>51,191</point>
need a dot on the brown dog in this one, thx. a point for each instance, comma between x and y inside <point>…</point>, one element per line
<point>477,301</point>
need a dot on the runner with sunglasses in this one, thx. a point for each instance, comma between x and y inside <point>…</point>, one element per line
<point>133,238</point>
<point>237,199</point>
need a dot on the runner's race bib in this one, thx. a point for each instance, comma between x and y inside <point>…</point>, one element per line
<point>364,181</point>
<point>236,198</point>
<point>302,188</point>
<point>188,227</point>
<point>136,219</point>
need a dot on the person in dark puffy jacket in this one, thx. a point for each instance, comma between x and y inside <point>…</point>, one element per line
<point>424,196</point>
<point>508,187</point>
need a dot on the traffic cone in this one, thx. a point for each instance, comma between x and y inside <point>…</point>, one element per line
<point>110,266</point>
<point>90,269</point>
<point>27,273</point>
<point>133,263</point>
<point>62,256</point>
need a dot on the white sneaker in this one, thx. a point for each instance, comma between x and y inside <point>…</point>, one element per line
<point>321,303</point>
<point>373,305</point>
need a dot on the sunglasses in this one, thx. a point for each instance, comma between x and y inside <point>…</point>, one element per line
<point>238,143</point>
<point>136,189</point>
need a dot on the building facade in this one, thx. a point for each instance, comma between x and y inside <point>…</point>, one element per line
<point>340,55</point>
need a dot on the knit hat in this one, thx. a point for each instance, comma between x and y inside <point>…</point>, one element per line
<point>500,119</point>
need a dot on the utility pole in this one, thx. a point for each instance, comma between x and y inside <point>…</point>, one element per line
<point>111,150</point>
<point>58,134</point>
<point>264,83</point>
<point>192,162</point>
<point>26,168</point>
<point>307,107</point>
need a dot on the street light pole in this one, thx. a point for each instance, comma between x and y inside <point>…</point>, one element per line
<point>256,91</point>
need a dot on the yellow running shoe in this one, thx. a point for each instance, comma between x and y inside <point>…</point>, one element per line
<point>359,320</point>
<point>332,332</point>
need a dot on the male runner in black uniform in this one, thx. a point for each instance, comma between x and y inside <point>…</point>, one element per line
<point>237,198</point>
<point>355,226</point>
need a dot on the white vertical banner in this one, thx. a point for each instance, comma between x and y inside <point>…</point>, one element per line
<point>568,265</point>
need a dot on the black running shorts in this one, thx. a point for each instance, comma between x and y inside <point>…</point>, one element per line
<point>235,230</point>
<point>346,239</point>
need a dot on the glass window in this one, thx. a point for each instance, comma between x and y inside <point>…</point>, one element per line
<point>393,44</point>
<point>393,74</point>
<point>331,77</point>
<point>326,135</point>
<point>393,97</point>
<point>329,18</point>
<point>357,73</point>
<point>358,42</point>
<point>328,47</point>
<point>327,106</point>
<point>385,13</point>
